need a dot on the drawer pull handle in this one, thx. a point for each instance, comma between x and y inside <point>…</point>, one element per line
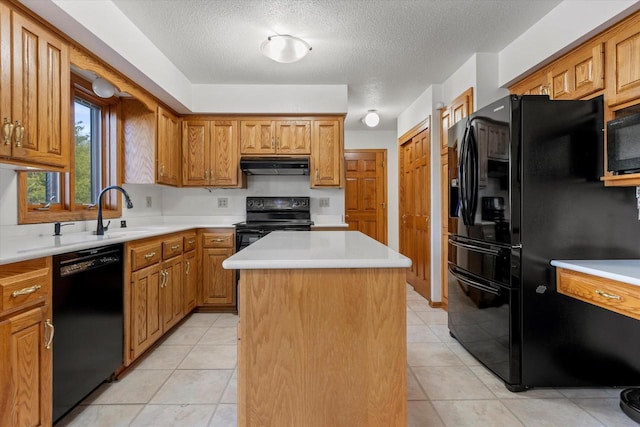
<point>217,240</point>
<point>191,242</point>
<point>149,255</point>
<point>49,325</point>
<point>609,296</point>
<point>175,247</point>
<point>26,291</point>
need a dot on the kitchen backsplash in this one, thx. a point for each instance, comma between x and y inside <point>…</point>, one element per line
<point>158,204</point>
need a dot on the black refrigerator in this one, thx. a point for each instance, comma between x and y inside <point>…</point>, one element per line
<point>524,189</point>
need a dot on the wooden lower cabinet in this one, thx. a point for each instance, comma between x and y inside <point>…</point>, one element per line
<point>159,289</point>
<point>190,281</point>
<point>218,287</point>
<point>171,292</point>
<point>26,335</point>
<point>145,321</point>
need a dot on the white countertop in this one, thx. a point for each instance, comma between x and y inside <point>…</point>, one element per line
<point>622,270</point>
<point>21,248</point>
<point>316,249</point>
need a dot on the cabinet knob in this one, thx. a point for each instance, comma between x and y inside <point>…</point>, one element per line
<point>19,133</point>
<point>7,131</point>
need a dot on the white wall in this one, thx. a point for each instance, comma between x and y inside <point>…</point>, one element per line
<point>382,140</point>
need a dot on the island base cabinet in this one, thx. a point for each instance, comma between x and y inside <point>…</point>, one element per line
<point>322,347</point>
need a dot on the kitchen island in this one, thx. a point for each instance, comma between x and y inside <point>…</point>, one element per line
<point>322,331</point>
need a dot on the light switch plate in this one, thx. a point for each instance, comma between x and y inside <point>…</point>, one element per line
<point>223,202</point>
<point>324,202</point>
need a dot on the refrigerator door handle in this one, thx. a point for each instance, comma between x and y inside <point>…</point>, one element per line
<point>462,174</point>
<point>472,283</point>
<point>474,248</point>
<point>473,151</point>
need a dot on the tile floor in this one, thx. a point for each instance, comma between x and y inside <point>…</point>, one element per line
<point>190,380</point>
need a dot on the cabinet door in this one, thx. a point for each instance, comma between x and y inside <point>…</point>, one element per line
<point>536,84</point>
<point>168,148</point>
<point>195,153</point>
<point>171,292</point>
<point>5,76</point>
<point>293,136</point>
<point>225,158</point>
<point>218,283</point>
<point>25,369</point>
<point>327,158</point>
<point>190,281</point>
<point>146,316</point>
<point>623,63</point>
<point>580,74</point>
<point>256,137</point>
<point>40,97</point>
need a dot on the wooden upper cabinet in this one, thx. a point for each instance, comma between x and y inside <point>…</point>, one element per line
<point>211,154</point>
<point>579,74</point>
<point>445,124</point>
<point>260,137</point>
<point>225,162</point>
<point>293,136</point>
<point>195,152</point>
<point>34,93</point>
<point>256,137</point>
<point>623,63</point>
<point>536,84</point>
<point>326,166</point>
<point>168,148</point>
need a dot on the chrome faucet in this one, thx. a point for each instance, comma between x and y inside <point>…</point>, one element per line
<point>101,228</point>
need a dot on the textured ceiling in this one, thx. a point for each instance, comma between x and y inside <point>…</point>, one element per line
<point>387,52</point>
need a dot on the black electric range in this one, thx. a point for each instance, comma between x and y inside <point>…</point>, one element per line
<point>267,214</point>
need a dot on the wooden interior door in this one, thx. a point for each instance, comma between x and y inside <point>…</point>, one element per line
<point>415,224</point>
<point>366,193</point>
<point>459,108</point>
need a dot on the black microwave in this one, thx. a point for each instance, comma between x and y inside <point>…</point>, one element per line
<point>623,144</point>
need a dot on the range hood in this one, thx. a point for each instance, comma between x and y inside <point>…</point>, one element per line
<point>275,165</point>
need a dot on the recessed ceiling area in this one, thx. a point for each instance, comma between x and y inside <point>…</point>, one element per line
<point>387,52</point>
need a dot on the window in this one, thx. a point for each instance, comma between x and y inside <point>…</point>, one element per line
<point>56,196</point>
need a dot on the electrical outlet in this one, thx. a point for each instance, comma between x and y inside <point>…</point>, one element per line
<point>324,202</point>
<point>149,201</point>
<point>223,202</point>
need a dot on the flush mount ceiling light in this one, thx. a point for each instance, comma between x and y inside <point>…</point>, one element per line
<point>285,48</point>
<point>103,88</point>
<point>371,119</point>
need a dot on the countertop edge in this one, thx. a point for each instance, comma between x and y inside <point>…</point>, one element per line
<point>604,271</point>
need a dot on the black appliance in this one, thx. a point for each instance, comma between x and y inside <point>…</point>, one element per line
<point>88,317</point>
<point>275,165</point>
<point>267,214</point>
<point>623,144</point>
<point>525,176</point>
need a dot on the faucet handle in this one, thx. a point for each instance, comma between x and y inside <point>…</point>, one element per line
<point>106,227</point>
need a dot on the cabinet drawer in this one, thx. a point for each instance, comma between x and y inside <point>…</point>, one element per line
<point>146,254</point>
<point>24,288</point>
<point>217,240</point>
<point>606,293</point>
<point>171,247</point>
<point>189,242</point>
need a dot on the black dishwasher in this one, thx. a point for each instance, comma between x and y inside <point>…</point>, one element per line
<point>88,320</point>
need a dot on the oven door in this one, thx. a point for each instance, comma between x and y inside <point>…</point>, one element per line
<point>483,317</point>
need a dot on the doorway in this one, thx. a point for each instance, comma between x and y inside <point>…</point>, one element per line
<point>415,205</point>
<point>365,195</point>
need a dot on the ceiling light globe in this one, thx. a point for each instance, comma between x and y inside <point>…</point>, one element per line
<point>372,119</point>
<point>103,88</point>
<point>285,48</point>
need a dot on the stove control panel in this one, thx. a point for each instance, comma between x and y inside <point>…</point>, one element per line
<point>277,203</point>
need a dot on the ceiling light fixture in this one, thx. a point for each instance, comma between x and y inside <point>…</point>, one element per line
<point>103,88</point>
<point>371,119</point>
<point>285,48</point>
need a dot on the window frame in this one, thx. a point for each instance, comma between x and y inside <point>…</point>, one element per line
<point>67,209</point>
